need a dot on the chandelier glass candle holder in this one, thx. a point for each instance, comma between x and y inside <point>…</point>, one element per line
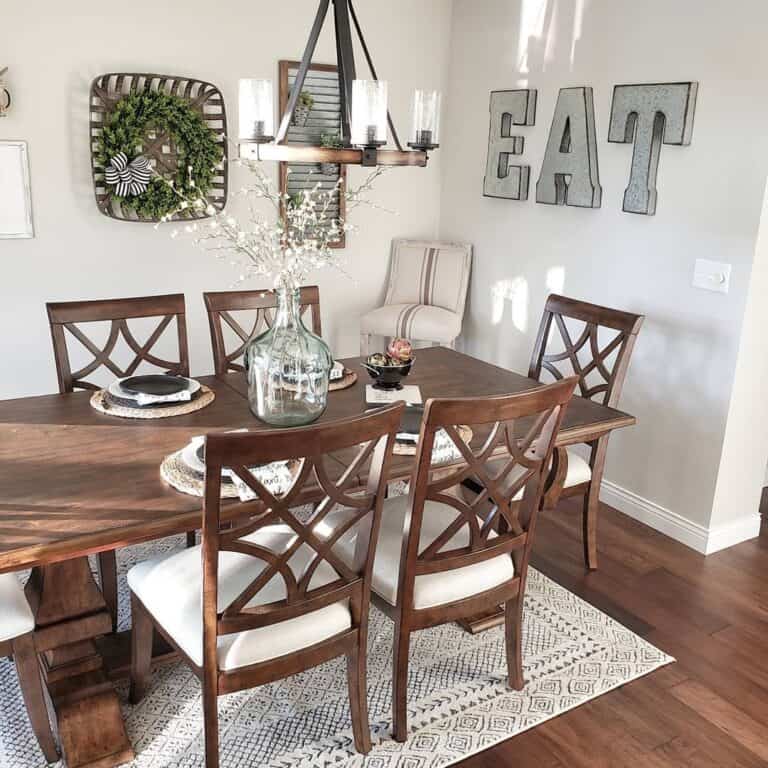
<point>425,131</point>
<point>256,106</point>
<point>369,113</point>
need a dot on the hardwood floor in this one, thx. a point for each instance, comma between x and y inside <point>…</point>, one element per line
<point>711,707</point>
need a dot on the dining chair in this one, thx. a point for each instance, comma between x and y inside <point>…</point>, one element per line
<point>17,627</point>
<point>66,319</point>
<point>264,597</point>
<point>426,293</point>
<point>220,306</point>
<point>599,356</point>
<point>442,556</point>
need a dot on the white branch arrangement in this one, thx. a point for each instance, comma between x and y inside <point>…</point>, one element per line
<point>286,247</point>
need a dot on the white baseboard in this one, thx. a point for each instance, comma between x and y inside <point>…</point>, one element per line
<point>693,535</point>
<point>724,536</point>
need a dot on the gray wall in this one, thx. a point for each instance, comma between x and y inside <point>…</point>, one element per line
<point>709,203</point>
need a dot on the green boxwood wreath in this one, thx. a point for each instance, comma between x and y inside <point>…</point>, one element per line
<point>125,131</point>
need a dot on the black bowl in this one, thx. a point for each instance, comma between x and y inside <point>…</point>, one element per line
<point>388,376</point>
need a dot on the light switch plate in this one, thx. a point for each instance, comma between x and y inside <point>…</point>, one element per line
<point>712,275</point>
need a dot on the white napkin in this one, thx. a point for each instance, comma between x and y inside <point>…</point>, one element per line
<point>337,372</point>
<point>177,397</point>
<point>277,478</point>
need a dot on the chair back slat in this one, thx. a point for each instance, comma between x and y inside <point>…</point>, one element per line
<point>508,454</point>
<point>600,365</point>
<point>220,306</point>
<point>66,320</point>
<point>316,474</point>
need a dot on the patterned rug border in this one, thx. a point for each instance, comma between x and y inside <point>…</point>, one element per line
<point>335,750</point>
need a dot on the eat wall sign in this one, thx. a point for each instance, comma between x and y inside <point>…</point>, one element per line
<point>645,116</point>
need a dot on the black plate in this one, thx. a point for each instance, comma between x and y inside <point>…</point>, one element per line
<point>155,384</point>
<point>127,402</point>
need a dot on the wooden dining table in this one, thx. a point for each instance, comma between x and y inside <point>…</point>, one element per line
<point>75,482</point>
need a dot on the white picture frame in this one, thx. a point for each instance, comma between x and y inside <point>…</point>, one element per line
<point>15,191</point>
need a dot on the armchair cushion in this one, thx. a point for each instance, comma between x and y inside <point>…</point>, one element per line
<point>15,614</point>
<point>429,272</point>
<point>413,321</point>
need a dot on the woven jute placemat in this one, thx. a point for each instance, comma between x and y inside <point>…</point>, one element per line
<point>101,402</point>
<point>346,381</point>
<point>179,475</point>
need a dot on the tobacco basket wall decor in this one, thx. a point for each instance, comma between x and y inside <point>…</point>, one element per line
<point>157,146</point>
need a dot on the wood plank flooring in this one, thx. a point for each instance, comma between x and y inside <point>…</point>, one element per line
<point>708,710</point>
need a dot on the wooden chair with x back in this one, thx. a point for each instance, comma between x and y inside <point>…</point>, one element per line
<point>442,556</point>
<point>601,366</point>
<point>65,320</point>
<point>222,304</point>
<point>265,597</point>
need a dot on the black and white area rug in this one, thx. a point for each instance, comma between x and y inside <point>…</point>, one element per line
<point>459,700</point>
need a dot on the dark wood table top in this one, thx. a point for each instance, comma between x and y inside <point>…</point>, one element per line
<point>74,481</point>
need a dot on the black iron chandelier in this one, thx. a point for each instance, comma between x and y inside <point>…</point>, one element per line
<point>363,103</point>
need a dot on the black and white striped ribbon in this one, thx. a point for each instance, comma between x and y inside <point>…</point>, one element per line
<point>128,178</point>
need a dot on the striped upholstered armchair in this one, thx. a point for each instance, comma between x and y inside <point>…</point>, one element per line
<point>426,293</point>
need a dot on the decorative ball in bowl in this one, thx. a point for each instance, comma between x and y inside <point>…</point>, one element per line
<point>388,370</point>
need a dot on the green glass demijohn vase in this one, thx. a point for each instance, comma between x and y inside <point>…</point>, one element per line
<point>288,368</point>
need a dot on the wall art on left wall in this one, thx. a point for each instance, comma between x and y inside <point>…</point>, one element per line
<point>15,191</point>
<point>158,145</point>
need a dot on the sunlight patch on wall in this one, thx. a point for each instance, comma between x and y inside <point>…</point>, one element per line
<point>555,279</point>
<point>514,291</point>
<point>578,18</point>
<point>537,39</point>
<point>533,14</point>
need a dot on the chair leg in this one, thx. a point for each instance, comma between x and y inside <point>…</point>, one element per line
<point>400,683</point>
<point>28,670</point>
<point>513,630</point>
<point>191,539</point>
<point>142,632</point>
<point>358,694</point>
<point>592,502</point>
<point>211,725</point>
<point>589,525</point>
<point>108,578</point>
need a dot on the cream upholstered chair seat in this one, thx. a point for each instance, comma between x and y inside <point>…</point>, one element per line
<point>17,626</point>
<point>15,614</point>
<point>170,587</point>
<point>413,321</point>
<point>429,589</point>
<point>578,470</point>
<point>426,293</point>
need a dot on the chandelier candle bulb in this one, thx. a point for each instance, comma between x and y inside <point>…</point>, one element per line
<point>426,120</point>
<point>257,119</point>
<point>369,113</point>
